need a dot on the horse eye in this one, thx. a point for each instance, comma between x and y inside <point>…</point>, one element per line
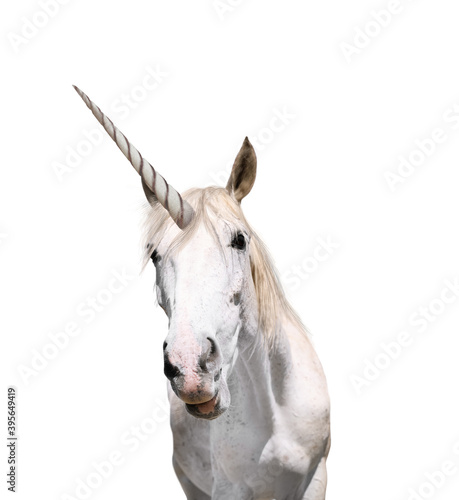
<point>155,257</point>
<point>239,242</point>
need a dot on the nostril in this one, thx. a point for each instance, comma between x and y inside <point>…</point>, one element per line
<point>212,348</point>
<point>203,362</point>
<point>170,370</point>
<point>164,346</point>
<point>206,359</point>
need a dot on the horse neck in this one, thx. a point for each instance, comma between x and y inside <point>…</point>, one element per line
<point>260,372</point>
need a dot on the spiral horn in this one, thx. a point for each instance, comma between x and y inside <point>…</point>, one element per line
<point>179,209</point>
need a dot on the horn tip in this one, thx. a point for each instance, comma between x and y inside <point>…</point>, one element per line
<point>79,92</point>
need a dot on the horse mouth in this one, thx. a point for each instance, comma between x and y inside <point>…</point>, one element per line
<point>208,410</point>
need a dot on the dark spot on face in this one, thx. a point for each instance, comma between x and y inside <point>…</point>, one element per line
<point>170,370</point>
<point>236,298</point>
<point>239,242</point>
<point>155,257</point>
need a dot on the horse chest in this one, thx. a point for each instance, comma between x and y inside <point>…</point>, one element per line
<point>256,455</point>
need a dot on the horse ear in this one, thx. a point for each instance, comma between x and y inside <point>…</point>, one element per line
<point>244,172</point>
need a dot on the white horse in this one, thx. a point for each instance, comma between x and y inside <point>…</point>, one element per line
<point>249,401</point>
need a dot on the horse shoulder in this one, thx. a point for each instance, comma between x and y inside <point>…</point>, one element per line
<point>305,413</point>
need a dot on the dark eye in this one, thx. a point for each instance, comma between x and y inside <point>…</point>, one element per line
<point>239,242</point>
<point>155,257</point>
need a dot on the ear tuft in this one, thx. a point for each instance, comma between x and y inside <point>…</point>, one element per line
<point>244,172</point>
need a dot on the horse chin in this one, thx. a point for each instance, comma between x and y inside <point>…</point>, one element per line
<point>210,409</point>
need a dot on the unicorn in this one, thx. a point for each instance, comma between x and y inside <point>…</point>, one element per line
<point>249,405</point>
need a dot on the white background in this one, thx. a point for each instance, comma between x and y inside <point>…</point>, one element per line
<point>323,175</point>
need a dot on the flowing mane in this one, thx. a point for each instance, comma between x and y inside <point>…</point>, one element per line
<point>214,203</point>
